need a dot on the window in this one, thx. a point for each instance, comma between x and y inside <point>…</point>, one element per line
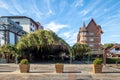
<point>17,22</point>
<point>91,39</point>
<point>83,33</point>
<point>91,45</point>
<point>91,34</point>
<point>31,24</point>
<point>30,29</point>
<point>1,27</point>
<point>83,39</point>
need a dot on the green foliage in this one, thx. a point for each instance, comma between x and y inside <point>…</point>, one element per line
<point>24,61</point>
<point>113,60</point>
<point>9,49</point>
<point>80,49</point>
<point>108,45</point>
<point>42,40</point>
<point>97,61</point>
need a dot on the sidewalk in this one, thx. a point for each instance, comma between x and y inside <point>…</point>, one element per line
<point>47,72</point>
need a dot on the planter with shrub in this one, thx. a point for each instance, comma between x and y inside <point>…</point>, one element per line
<point>24,66</point>
<point>97,65</point>
<point>59,67</point>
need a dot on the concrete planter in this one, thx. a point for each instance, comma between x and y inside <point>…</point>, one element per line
<point>24,68</point>
<point>97,68</point>
<point>59,68</point>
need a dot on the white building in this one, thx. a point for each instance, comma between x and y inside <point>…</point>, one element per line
<point>13,27</point>
<point>28,24</point>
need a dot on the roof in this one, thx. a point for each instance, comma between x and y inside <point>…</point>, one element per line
<point>98,26</point>
<point>20,17</point>
<point>115,46</point>
<point>83,28</point>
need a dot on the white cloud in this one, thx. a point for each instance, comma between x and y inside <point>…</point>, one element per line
<point>3,5</point>
<point>89,8</point>
<point>105,10</point>
<point>66,34</point>
<point>36,10</point>
<point>115,36</point>
<point>84,12</point>
<point>70,37</point>
<point>8,7</point>
<point>62,6</point>
<point>78,3</point>
<point>18,7</point>
<point>50,12</point>
<point>55,26</point>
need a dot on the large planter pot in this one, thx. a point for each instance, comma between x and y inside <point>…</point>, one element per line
<point>24,68</point>
<point>97,68</point>
<point>59,68</point>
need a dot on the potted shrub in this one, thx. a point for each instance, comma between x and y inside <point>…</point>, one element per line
<point>24,66</point>
<point>59,67</point>
<point>97,65</point>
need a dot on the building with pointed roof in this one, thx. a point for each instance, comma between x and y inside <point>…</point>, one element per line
<point>91,35</point>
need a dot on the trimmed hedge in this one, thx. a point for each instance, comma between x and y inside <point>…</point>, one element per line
<point>113,60</point>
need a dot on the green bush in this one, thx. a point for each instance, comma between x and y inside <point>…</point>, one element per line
<point>24,61</point>
<point>113,60</point>
<point>97,61</point>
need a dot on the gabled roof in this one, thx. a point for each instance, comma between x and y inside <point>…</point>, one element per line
<point>98,26</point>
<point>83,28</point>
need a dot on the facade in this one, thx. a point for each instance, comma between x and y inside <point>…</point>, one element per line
<point>28,24</point>
<point>10,32</point>
<point>91,35</point>
<point>13,27</point>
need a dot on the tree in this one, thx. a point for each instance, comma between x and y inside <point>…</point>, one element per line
<point>7,50</point>
<point>42,42</point>
<point>108,45</point>
<point>80,49</point>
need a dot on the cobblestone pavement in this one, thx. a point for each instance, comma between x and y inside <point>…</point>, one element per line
<point>47,72</point>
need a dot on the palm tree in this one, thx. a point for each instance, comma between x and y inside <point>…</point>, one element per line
<point>108,45</point>
<point>80,49</point>
<point>7,50</point>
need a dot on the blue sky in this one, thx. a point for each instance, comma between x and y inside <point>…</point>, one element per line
<point>65,17</point>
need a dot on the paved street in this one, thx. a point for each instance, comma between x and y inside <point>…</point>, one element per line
<point>47,72</point>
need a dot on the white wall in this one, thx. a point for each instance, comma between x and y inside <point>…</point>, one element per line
<point>115,51</point>
<point>26,24</point>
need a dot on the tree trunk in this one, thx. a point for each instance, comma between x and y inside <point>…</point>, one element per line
<point>7,58</point>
